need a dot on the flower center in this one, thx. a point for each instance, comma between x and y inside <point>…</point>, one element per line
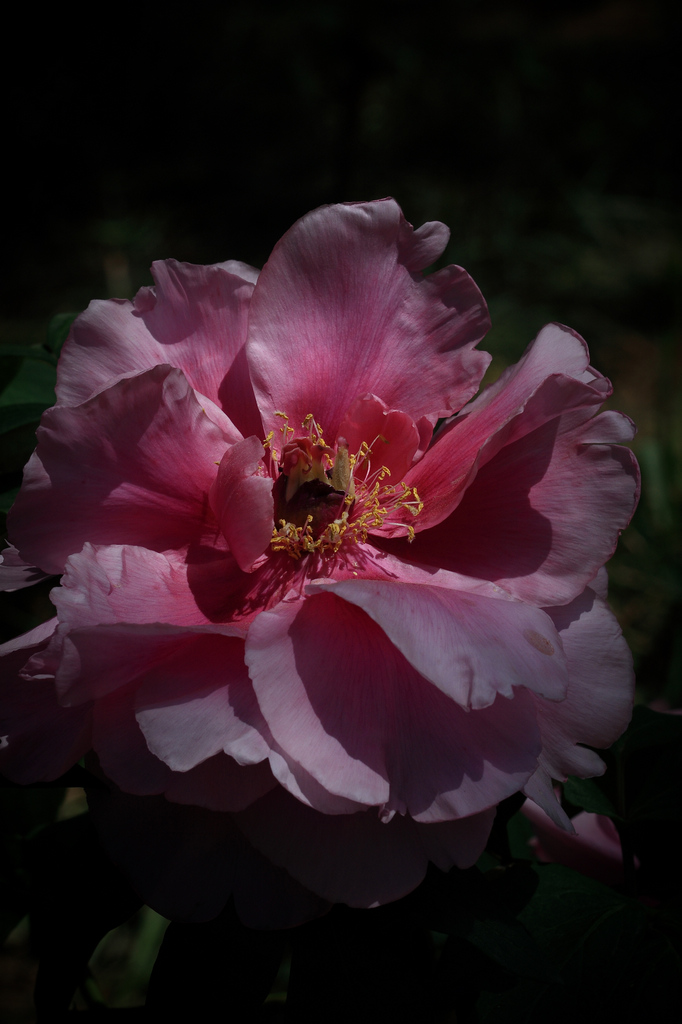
<point>327,497</point>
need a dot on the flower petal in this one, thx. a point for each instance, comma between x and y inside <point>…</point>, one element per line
<point>123,583</point>
<point>221,784</point>
<point>241,498</point>
<point>473,643</point>
<point>337,302</point>
<point>593,848</point>
<point>217,783</point>
<point>600,696</point>
<point>195,318</point>
<point>15,573</point>
<point>357,858</point>
<point>392,436</point>
<point>342,701</point>
<point>186,862</point>
<point>506,483</point>
<point>39,740</point>
<point>112,471</point>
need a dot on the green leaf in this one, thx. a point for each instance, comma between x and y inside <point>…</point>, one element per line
<point>612,959</point>
<point>77,896</point>
<point>58,331</point>
<point>12,416</point>
<point>650,729</point>
<point>28,352</point>
<point>650,757</point>
<point>7,499</point>
<point>482,909</point>
<point>33,383</point>
<point>587,794</point>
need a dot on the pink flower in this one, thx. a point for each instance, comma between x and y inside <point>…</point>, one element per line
<point>295,627</point>
<point>593,848</point>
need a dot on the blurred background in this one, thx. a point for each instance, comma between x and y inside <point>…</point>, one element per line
<point>543,135</point>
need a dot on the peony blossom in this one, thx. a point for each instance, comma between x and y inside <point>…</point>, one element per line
<point>308,634</point>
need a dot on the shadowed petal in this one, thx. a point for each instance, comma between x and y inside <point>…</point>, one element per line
<point>186,862</point>
<point>357,858</point>
<point>15,573</point>
<point>39,740</point>
<point>473,643</point>
<point>342,701</point>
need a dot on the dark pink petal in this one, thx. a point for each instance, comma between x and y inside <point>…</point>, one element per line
<point>96,660</point>
<point>542,516</point>
<point>392,436</point>
<point>39,740</point>
<point>121,748</point>
<point>546,513</point>
<point>133,465</point>
<point>473,643</point>
<point>556,366</point>
<point>241,498</point>
<point>218,783</point>
<point>357,858</point>
<point>339,301</point>
<point>195,319</point>
<point>221,784</point>
<point>186,862</point>
<point>537,499</point>
<point>15,574</point>
<point>471,440</point>
<point>344,704</point>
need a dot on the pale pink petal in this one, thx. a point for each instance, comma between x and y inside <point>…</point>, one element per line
<point>473,643</point>
<point>342,702</point>
<point>15,573</point>
<point>211,719</point>
<point>336,302</point>
<point>302,785</point>
<point>39,740</point>
<point>540,789</point>
<point>600,696</point>
<point>112,471</point>
<point>357,858</point>
<point>192,692</point>
<point>241,498</point>
<point>195,318</point>
<point>123,583</point>
<point>391,435</point>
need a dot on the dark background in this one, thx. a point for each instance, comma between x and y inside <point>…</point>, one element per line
<point>543,135</point>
